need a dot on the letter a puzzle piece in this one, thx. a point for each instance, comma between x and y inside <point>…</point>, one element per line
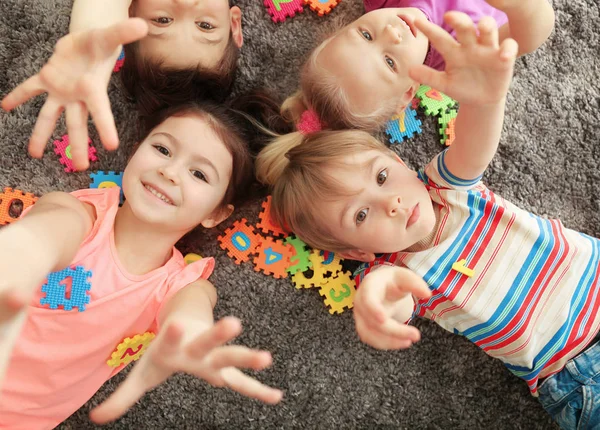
<point>56,289</point>
<point>322,7</point>
<point>240,241</point>
<point>433,101</point>
<point>280,10</point>
<point>62,148</point>
<point>446,121</point>
<point>130,349</point>
<point>266,223</point>
<point>403,126</point>
<point>7,198</point>
<point>273,258</point>
<point>339,292</point>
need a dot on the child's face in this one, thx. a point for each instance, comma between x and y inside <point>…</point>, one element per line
<point>178,176</point>
<point>188,33</point>
<point>371,58</point>
<point>386,209</point>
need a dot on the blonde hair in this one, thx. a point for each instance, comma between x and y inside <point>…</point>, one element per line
<point>295,167</point>
<point>321,91</point>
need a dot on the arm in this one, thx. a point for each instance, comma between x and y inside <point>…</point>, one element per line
<point>49,235</point>
<point>90,14</point>
<point>478,74</point>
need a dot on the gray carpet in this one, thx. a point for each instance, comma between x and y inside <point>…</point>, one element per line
<point>547,162</point>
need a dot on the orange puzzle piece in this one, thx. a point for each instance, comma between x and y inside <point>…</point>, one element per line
<point>273,258</point>
<point>266,223</point>
<point>322,7</point>
<point>240,241</point>
<point>6,200</point>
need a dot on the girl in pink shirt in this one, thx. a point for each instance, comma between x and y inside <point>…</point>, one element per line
<point>94,285</point>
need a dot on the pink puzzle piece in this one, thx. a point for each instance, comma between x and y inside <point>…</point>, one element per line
<point>63,150</point>
<point>280,10</point>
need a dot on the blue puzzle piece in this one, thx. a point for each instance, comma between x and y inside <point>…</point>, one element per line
<point>108,179</point>
<point>56,292</point>
<point>404,126</point>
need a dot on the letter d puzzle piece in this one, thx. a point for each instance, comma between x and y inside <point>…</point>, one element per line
<point>322,7</point>
<point>7,198</point>
<point>62,148</point>
<point>240,241</point>
<point>273,258</point>
<point>280,10</point>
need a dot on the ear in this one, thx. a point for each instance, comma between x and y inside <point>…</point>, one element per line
<point>235,14</point>
<point>407,97</point>
<point>357,254</point>
<point>218,216</point>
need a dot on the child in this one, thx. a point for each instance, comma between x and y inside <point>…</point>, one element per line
<point>523,288</point>
<point>358,77</point>
<point>125,278</point>
<point>185,50</point>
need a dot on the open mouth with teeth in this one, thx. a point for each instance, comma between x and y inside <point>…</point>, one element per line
<point>158,195</point>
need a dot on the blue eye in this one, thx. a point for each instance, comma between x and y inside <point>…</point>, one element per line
<point>361,216</point>
<point>198,174</point>
<point>162,150</point>
<point>205,25</point>
<point>163,20</point>
<point>382,177</point>
<point>390,63</point>
<point>366,35</point>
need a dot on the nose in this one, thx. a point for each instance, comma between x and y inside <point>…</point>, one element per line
<point>393,205</point>
<point>392,35</point>
<point>169,173</point>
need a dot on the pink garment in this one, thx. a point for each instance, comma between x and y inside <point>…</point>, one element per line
<point>435,10</point>
<point>60,360</point>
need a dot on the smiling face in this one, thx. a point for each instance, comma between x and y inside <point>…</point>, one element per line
<point>371,58</point>
<point>386,207</point>
<point>188,33</point>
<point>178,176</point>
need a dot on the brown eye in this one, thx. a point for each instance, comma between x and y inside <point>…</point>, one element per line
<point>361,216</point>
<point>382,177</point>
<point>163,20</point>
<point>205,25</point>
<point>366,35</point>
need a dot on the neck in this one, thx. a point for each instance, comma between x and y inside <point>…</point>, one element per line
<point>142,247</point>
<point>427,241</point>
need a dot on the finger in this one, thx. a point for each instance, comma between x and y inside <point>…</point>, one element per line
<point>77,115</point>
<point>378,340</point>
<point>44,126</point>
<point>55,81</point>
<point>406,281</point>
<point>32,87</point>
<point>107,40</point>
<point>11,303</point>
<point>240,357</point>
<point>440,38</point>
<point>170,341</point>
<point>509,50</point>
<point>222,332</point>
<point>371,307</point>
<point>250,387</point>
<point>98,104</point>
<point>488,32</point>
<point>464,26</point>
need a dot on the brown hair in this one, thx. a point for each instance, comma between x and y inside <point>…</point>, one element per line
<point>152,86</point>
<point>295,167</point>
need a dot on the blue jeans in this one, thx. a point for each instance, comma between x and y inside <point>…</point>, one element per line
<point>572,396</point>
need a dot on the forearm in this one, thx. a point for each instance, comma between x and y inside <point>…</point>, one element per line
<point>478,129</point>
<point>89,14</point>
<point>530,24</point>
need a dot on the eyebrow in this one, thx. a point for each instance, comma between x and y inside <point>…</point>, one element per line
<point>368,167</point>
<point>197,157</point>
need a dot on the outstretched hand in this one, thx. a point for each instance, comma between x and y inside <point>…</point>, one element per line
<point>478,69</point>
<point>205,357</point>
<point>76,79</point>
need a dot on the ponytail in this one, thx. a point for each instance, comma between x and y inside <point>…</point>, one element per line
<point>273,160</point>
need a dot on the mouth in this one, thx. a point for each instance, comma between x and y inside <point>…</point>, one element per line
<point>159,194</point>
<point>408,24</point>
<point>415,213</point>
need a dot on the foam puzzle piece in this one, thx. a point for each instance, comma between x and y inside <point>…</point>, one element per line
<point>240,241</point>
<point>280,10</point>
<point>56,289</point>
<point>130,349</point>
<point>320,272</point>
<point>62,148</point>
<point>339,292</point>
<point>403,126</point>
<point>191,257</point>
<point>120,61</point>
<point>6,200</point>
<point>272,258</point>
<point>108,179</point>
<point>266,223</point>
<point>446,121</point>
<point>322,7</point>
<point>299,260</point>
<point>433,101</point>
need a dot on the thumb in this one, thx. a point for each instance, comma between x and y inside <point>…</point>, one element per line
<point>110,38</point>
<point>405,282</point>
<point>428,76</point>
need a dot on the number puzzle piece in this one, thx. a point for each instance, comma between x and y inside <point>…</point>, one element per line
<point>240,241</point>
<point>56,288</point>
<point>319,270</point>
<point>191,257</point>
<point>300,258</point>
<point>120,61</point>
<point>267,224</point>
<point>62,148</point>
<point>339,292</point>
<point>7,198</point>
<point>280,10</point>
<point>403,126</point>
<point>108,180</point>
<point>130,349</point>
<point>433,101</point>
<point>446,121</point>
<point>322,7</point>
<point>272,258</point>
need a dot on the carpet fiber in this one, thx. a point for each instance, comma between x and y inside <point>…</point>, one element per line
<point>547,163</point>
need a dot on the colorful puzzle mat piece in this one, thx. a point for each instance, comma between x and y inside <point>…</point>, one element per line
<point>446,122</point>
<point>280,10</point>
<point>62,148</point>
<point>108,179</point>
<point>130,349</point>
<point>10,196</point>
<point>191,257</point>
<point>339,292</point>
<point>403,126</point>
<point>433,101</point>
<point>266,223</point>
<point>300,258</point>
<point>322,7</point>
<point>272,258</point>
<point>240,241</point>
<point>59,283</point>
<point>319,272</point>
